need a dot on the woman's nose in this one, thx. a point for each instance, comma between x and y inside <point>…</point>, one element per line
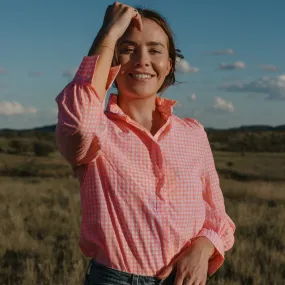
<point>141,59</point>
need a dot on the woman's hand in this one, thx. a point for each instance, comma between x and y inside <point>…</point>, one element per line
<point>191,266</point>
<point>118,17</point>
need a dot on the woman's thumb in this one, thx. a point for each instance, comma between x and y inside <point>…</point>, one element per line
<point>165,273</point>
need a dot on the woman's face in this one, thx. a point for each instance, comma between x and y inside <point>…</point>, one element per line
<point>144,60</point>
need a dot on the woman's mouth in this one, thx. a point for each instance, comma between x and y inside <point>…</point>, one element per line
<point>141,76</point>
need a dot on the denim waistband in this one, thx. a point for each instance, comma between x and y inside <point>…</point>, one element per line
<point>125,277</point>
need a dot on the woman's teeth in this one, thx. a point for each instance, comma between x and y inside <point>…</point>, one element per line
<point>141,76</point>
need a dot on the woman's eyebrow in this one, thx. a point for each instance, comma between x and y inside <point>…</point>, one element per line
<point>155,44</point>
<point>127,42</point>
<point>152,43</point>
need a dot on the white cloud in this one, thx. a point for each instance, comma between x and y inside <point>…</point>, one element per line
<point>3,70</point>
<point>223,105</point>
<point>14,108</point>
<point>268,67</point>
<point>232,66</point>
<point>274,87</point>
<point>69,73</point>
<point>222,52</point>
<point>183,66</point>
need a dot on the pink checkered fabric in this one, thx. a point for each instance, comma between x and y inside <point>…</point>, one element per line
<point>144,198</point>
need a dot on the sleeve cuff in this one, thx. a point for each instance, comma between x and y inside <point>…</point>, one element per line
<point>87,69</point>
<point>217,259</point>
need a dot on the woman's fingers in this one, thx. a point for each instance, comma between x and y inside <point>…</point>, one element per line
<point>138,21</point>
<point>119,17</point>
<point>136,18</point>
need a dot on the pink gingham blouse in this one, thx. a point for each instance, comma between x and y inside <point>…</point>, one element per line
<point>144,198</point>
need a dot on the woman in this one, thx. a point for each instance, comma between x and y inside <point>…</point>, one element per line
<point>152,208</point>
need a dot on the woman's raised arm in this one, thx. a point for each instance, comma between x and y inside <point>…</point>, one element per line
<point>81,127</point>
<point>116,21</point>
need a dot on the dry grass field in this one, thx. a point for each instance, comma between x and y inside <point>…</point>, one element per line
<point>40,216</point>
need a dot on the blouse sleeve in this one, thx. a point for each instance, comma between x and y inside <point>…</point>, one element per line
<point>218,226</point>
<point>82,124</point>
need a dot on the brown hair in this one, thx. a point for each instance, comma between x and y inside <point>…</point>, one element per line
<point>173,52</point>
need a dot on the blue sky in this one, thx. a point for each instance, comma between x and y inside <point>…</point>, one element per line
<point>234,71</point>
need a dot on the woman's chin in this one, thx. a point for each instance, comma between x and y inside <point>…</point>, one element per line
<point>142,92</point>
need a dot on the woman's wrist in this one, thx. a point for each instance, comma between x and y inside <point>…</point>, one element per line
<point>110,33</point>
<point>204,245</point>
<point>105,39</point>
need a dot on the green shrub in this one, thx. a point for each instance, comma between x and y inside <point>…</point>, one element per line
<point>42,148</point>
<point>19,147</point>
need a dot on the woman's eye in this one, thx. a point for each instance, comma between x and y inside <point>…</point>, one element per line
<point>127,50</point>
<point>155,51</point>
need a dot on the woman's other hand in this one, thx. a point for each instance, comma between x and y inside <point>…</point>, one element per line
<point>191,266</point>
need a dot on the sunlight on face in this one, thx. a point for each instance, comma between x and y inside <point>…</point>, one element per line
<point>144,59</point>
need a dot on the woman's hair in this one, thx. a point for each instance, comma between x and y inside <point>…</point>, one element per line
<point>173,52</point>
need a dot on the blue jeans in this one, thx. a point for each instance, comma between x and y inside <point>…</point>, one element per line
<point>99,274</point>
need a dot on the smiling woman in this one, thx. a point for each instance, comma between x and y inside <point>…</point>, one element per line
<point>156,38</point>
<point>152,208</point>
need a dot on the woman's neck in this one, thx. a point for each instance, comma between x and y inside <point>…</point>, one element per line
<point>142,111</point>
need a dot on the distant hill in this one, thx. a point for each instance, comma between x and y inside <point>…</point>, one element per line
<point>259,128</point>
<point>45,129</point>
<point>250,128</point>
<point>254,138</point>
